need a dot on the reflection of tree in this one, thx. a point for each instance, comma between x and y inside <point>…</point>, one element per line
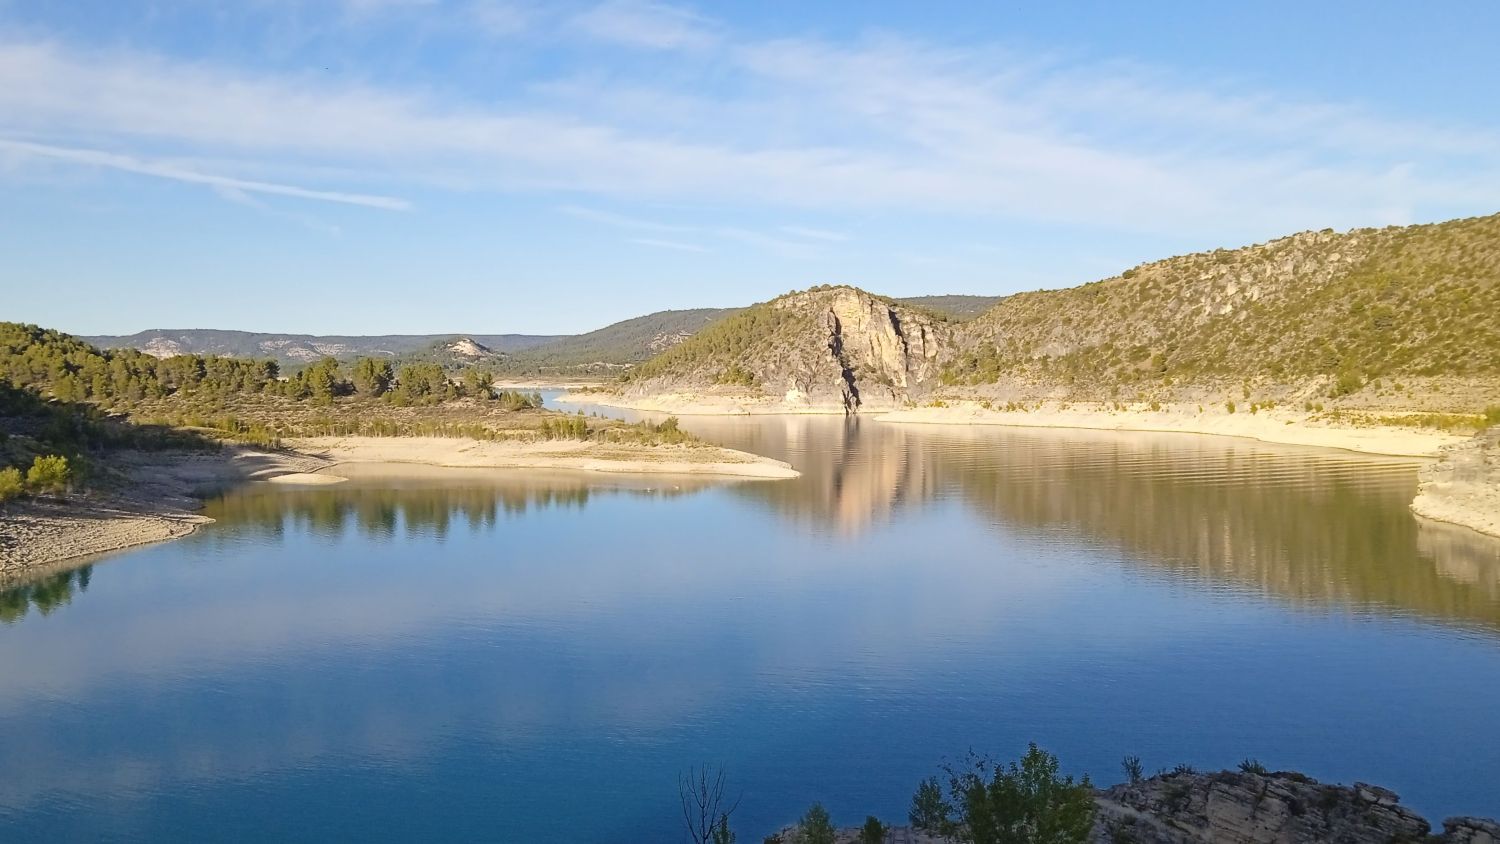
<point>385,509</point>
<point>45,594</point>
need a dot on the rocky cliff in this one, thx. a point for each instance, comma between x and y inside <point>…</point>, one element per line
<point>826,347</point>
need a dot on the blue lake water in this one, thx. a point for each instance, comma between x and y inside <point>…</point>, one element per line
<point>529,656</point>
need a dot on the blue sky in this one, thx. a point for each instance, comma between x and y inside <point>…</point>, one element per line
<point>383,166</point>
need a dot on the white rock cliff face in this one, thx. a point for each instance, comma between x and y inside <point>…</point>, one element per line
<point>875,355</point>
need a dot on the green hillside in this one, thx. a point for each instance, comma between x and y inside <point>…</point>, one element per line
<point>1342,309</point>
<point>615,346</point>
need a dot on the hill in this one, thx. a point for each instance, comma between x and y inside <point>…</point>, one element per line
<point>297,349</point>
<point>1376,311</point>
<point>828,345</point>
<point>616,346</point>
<point>1398,317</point>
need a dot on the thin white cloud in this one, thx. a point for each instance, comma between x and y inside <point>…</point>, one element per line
<point>816,234</point>
<point>623,221</point>
<point>674,245</point>
<point>127,164</point>
<point>878,124</point>
<point>645,24</point>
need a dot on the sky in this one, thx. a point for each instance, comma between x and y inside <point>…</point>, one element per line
<point>497,166</point>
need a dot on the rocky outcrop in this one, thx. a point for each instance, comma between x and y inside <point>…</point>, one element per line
<point>831,348</point>
<point>1232,807</point>
<point>1463,487</point>
<point>877,351</point>
<point>1244,807</point>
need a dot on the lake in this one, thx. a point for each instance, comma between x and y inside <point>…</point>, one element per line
<point>532,656</point>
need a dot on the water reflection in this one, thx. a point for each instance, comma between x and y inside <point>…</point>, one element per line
<point>522,655</point>
<point>391,502</point>
<point>45,593</point>
<point>1306,525</point>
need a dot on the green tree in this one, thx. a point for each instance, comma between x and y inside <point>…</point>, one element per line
<point>373,376</point>
<point>479,383</point>
<point>816,827</point>
<point>323,380</point>
<point>873,832</point>
<point>1020,804</point>
<point>930,812</point>
<point>10,483</point>
<point>49,473</point>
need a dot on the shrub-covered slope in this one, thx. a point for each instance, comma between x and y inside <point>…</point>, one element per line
<point>1339,310</point>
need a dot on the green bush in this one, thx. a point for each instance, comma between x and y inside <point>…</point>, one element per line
<point>873,832</point>
<point>48,474</point>
<point>10,484</point>
<point>1015,804</point>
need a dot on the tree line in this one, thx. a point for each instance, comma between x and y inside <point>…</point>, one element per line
<point>70,370</point>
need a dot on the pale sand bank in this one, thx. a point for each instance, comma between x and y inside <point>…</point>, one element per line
<point>1274,426</point>
<point>159,494</point>
<point>550,454</point>
<point>306,479</point>
<point>699,404</point>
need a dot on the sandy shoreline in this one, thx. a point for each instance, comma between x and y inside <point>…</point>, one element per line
<point>157,496</point>
<point>1274,426</point>
<point>1284,427</point>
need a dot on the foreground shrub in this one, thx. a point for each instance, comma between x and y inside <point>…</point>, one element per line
<point>48,474</point>
<point>10,484</point>
<point>1019,804</point>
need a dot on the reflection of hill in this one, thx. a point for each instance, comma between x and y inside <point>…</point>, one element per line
<point>1310,526</point>
<point>380,507</point>
<point>1303,525</point>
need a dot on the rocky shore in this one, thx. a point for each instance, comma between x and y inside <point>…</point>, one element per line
<point>1463,487</point>
<point>1239,807</point>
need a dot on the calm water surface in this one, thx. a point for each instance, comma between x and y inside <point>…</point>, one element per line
<point>534,656</point>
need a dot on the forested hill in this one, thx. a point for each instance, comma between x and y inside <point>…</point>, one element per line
<point>616,346</point>
<point>297,349</point>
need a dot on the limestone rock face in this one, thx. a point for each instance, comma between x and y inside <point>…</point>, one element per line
<point>875,353</point>
<point>1250,808</point>
<point>1464,486</point>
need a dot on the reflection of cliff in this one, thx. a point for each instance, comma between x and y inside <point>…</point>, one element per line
<point>44,594</point>
<point>1302,525</point>
<point>854,473</point>
<point>387,507</point>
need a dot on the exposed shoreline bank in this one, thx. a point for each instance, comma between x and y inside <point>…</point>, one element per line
<point>1463,488</point>
<point>1273,426</point>
<point>1282,427</point>
<point>159,495</point>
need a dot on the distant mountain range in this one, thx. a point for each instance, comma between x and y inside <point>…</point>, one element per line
<point>604,351</point>
<point>298,349</point>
